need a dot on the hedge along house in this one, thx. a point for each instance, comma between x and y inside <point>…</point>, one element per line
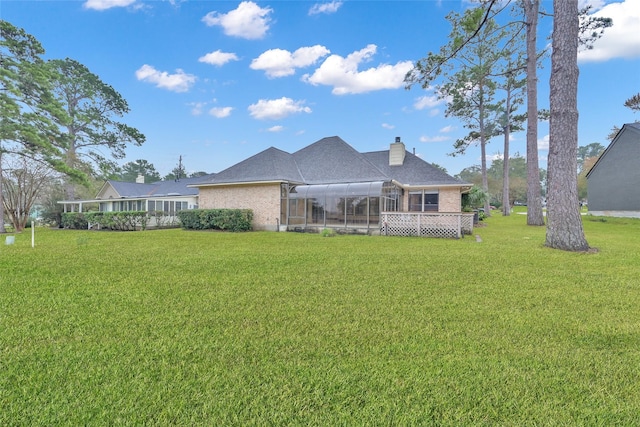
<point>162,199</point>
<point>613,183</point>
<point>329,184</point>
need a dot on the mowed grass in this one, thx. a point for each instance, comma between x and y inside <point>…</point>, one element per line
<point>172,327</point>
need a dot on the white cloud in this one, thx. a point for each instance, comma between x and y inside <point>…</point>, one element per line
<point>622,40</point>
<point>221,112</point>
<point>543,143</point>
<point>325,8</point>
<point>447,129</point>
<point>388,126</point>
<point>343,75</point>
<point>276,128</point>
<point>275,109</point>
<point>106,4</point>
<point>439,138</point>
<point>427,102</point>
<point>248,21</point>
<point>218,58</point>
<point>594,4</point>
<point>281,63</point>
<point>197,107</point>
<point>178,82</point>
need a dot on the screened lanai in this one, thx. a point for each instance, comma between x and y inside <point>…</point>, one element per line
<point>356,205</point>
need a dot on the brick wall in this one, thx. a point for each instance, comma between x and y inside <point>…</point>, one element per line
<point>449,200</point>
<point>263,200</point>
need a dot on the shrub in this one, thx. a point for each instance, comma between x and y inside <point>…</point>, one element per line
<point>121,221</point>
<point>216,219</point>
<point>328,232</point>
<point>74,220</point>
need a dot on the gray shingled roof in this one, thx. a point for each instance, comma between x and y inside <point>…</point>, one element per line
<point>131,189</point>
<point>332,161</point>
<point>414,170</point>
<point>158,189</point>
<point>271,164</point>
<point>328,161</point>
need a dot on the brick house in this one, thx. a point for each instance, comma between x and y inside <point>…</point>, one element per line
<point>329,184</point>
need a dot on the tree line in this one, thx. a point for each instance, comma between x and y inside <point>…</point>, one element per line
<point>61,132</point>
<point>488,69</point>
<point>58,115</point>
<point>517,172</point>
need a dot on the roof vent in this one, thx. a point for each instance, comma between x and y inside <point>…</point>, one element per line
<point>396,153</point>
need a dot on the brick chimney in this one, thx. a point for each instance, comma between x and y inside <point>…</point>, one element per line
<point>140,179</point>
<point>396,153</point>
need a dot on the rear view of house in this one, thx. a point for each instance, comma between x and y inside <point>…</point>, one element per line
<point>329,184</point>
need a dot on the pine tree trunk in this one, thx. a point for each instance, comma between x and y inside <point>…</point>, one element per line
<point>564,224</point>
<point>506,203</point>
<point>534,198</point>
<point>2,229</point>
<point>483,149</point>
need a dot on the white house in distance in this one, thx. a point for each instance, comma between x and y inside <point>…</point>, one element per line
<point>162,197</point>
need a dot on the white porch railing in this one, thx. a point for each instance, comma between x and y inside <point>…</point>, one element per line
<point>426,224</point>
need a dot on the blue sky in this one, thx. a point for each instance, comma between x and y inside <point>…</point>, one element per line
<point>217,81</point>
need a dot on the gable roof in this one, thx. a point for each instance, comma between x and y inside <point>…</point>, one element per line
<point>331,161</point>
<point>628,127</point>
<point>134,190</point>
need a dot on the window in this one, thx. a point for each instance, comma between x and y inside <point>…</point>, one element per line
<point>431,202</point>
<point>423,201</point>
<point>415,201</point>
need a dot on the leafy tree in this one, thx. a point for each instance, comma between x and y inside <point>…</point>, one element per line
<point>517,181</point>
<point>564,224</point>
<point>585,152</point>
<point>51,195</point>
<point>198,174</point>
<point>582,176</point>
<point>131,170</point>
<point>471,88</point>
<point>23,185</point>
<point>90,126</point>
<point>26,103</point>
<point>485,57</point>
<point>472,174</point>
<point>475,198</point>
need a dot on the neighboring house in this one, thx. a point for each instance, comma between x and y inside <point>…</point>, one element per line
<point>613,183</point>
<point>329,184</point>
<point>162,198</point>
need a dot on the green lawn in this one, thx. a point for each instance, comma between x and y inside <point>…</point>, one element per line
<point>208,328</point>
